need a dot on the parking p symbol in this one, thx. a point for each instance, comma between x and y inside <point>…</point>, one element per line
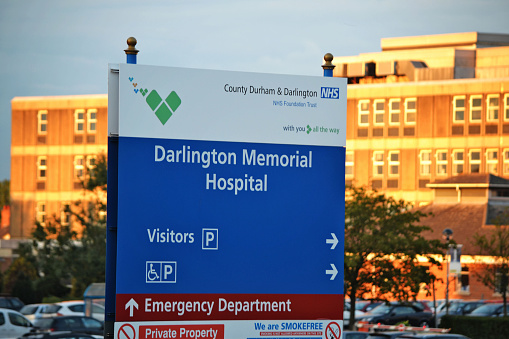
<point>210,239</point>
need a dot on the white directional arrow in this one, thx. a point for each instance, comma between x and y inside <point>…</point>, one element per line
<point>131,304</point>
<point>334,241</point>
<point>333,272</point>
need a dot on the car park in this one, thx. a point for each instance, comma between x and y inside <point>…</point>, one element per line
<point>394,313</point>
<point>13,324</point>
<point>346,314</point>
<point>33,311</point>
<point>460,308</point>
<point>74,307</point>
<point>386,335</point>
<point>73,323</point>
<point>489,310</point>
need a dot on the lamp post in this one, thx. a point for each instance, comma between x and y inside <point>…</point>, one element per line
<point>447,235</point>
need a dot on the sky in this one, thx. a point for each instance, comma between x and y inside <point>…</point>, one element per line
<point>63,47</point>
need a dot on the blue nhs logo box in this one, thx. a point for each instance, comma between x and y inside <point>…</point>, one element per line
<point>161,272</point>
<point>330,93</point>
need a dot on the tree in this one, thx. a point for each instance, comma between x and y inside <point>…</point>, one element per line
<point>382,243</point>
<point>63,254</point>
<point>496,245</point>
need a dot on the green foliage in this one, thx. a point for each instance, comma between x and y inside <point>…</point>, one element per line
<point>382,242</point>
<point>62,257</point>
<point>477,327</point>
<point>496,245</point>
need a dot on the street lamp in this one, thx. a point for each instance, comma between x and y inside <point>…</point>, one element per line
<point>447,235</point>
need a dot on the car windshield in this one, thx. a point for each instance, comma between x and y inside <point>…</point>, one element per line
<point>28,309</point>
<point>454,307</point>
<point>488,308</point>
<point>43,322</point>
<point>381,309</point>
<point>51,309</point>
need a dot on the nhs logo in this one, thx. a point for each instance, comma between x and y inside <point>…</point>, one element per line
<point>330,93</point>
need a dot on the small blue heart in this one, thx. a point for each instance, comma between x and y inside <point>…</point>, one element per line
<point>136,90</point>
<point>131,78</point>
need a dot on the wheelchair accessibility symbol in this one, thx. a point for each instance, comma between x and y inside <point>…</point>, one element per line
<point>161,272</point>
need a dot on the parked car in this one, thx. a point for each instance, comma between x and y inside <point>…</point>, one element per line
<point>13,324</point>
<point>460,308</point>
<point>394,313</point>
<point>489,310</point>
<point>386,335</point>
<point>74,307</point>
<point>58,335</point>
<point>346,314</point>
<point>433,336</point>
<point>73,323</point>
<point>355,335</point>
<point>12,303</point>
<point>33,311</point>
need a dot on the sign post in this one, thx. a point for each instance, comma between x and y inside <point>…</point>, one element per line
<point>230,211</point>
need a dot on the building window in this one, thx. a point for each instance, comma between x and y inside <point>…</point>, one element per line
<point>393,162</point>
<point>91,164</point>
<point>379,111</point>
<point>475,161</point>
<point>79,167</point>
<point>506,161</point>
<point>40,213</point>
<point>79,121</point>
<point>492,107</point>
<point>492,161</point>
<point>363,112</point>
<point>410,111</point>
<point>378,163</point>
<point>464,280</point>
<point>65,214</point>
<point>42,167</point>
<point>458,109</point>
<point>506,107</point>
<point>42,122</point>
<point>92,120</point>
<point>475,108</point>
<point>441,161</point>
<point>394,111</point>
<point>425,162</point>
<point>457,162</point>
<point>349,164</point>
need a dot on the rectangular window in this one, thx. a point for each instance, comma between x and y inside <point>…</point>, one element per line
<point>349,164</point>
<point>458,162</point>
<point>92,120</point>
<point>79,167</point>
<point>464,280</point>
<point>40,213</point>
<point>458,109</point>
<point>379,111</point>
<point>378,163</point>
<point>42,122</point>
<point>394,111</point>
<point>410,111</point>
<point>441,161</point>
<point>492,107</point>
<point>475,108</point>
<point>475,161</point>
<point>506,107</point>
<point>425,162</point>
<point>79,120</point>
<point>91,159</point>
<point>42,167</point>
<point>492,161</point>
<point>506,162</point>
<point>65,214</point>
<point>393,162</point>
<point>363,107</point>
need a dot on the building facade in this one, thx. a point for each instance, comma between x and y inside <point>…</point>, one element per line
<point>54,141</point>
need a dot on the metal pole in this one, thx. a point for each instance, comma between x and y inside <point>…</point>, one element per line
<point>131,52</point>
<point>447,283</point>
<point>328,67</point>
